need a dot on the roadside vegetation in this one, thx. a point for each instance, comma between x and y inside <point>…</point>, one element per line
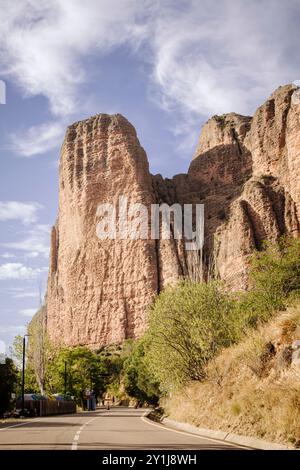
<point>250,388</point>
<point>209,355</point>
<point>8,382</point>
<point>191,322</point>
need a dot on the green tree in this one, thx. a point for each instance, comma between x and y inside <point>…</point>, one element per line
<point>17,350</point>
<point>84,368</point>
<point>189,323</point>
<point>31,385</point>
<point>138,380</point>
<point>8,382</point>
<point>38,348</point>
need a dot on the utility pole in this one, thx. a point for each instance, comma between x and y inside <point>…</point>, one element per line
<point>23,375</point>
<point>65,378</point>
<point>23,378</point>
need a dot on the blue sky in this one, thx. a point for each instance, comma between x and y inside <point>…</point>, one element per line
<point>166,65</point>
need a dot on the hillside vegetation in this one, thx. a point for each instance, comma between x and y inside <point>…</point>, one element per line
<point>250,388</point>
<point>210,357</point>
<point>224,360</point>
<point>191,322</point>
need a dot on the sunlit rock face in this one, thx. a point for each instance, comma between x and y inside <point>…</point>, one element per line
<point>246,172</point>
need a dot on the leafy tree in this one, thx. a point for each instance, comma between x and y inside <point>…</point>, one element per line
<point>189,323</point>
<point>138,380</point>
<point>17,350</point>
<point>38,349</point>
<point>31,385</point>
<point>8,381</point>
<point>84,371</point>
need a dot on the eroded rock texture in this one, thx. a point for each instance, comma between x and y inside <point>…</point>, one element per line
<point>246,171</point>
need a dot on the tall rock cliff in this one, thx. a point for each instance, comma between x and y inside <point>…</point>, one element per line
<point>246,172</point>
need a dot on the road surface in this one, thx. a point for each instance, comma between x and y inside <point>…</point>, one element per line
<point>119,428</point>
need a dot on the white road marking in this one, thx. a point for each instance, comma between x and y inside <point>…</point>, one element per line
<point>76,437</point>
<point>74,445</point>
<point>21,424</point>
<point>161,426</point>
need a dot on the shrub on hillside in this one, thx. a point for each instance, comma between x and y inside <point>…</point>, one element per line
<point>189,323</point>
<point>275,278</point>
<point>138,381</point>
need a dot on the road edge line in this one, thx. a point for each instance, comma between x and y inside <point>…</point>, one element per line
<point>145,418</point>
<point>247,442</point>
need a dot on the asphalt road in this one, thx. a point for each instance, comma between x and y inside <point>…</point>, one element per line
<point>119,428</point>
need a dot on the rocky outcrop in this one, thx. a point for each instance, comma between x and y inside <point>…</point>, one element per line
<point>98,289</point>
<point>246,172</point>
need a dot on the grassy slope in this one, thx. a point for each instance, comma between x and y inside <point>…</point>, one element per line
<point>251,388</point>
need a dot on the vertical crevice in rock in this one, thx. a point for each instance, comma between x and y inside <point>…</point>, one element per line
<point>284,117</point>
<point>291,217</point>
<point>270,109</point>
<point>257,239</point>
<point>157,255</point>
<point>53,250</point>
<point>236,140</point>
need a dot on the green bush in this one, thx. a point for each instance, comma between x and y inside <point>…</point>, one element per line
<point>138,380</point>
<point>189,323</point>
<point>8,382</point>
<point>84,370</point>
<point>275,280</point>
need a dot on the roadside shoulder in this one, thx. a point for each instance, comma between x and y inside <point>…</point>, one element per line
<point>245,441</point>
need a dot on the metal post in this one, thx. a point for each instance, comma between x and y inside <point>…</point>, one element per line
<point>23,379</point>
<point>65,377</point>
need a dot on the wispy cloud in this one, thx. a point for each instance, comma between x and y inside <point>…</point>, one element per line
<point>34,254</point>
<point>35,243</point>
<point>28,312</point>
<point>25,295</point>
<point>212,60</point>
<point>43,43</point>
<point>27,213</point>
<point>2,348</point>
<point>38,139</point>
<point>8,255</point>
<point>20,329</point>
<point>18,271</point>
<point>204,59</point>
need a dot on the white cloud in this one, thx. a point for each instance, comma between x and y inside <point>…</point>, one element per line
<point>18,271</point>
<point>21,329</point>
<point>8,255</point>
<point>43,46</point>
<point>42,43</point>
<point>32,254</point>
<point>211,60</point>
<point>2,347</point>
<point>28,312</point>
<point>25,295</point>
<point>38,139</point>
<point>205,58</point>
<point>36,242</point>
<point>21,211</point>
<point>20,292</point>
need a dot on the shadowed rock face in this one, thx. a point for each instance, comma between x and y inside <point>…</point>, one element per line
<point>246,171</point>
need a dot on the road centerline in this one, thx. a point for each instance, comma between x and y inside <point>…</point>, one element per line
<point>74,444</point>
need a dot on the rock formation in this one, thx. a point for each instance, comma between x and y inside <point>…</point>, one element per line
<point>246,172</point>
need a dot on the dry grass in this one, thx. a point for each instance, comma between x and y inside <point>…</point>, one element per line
<point>249,389</point>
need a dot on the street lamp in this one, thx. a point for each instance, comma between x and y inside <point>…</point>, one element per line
<point>23,376</point>
<point>65,377</point>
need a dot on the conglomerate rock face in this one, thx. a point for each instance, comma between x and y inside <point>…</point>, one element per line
<point>246,172</point>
